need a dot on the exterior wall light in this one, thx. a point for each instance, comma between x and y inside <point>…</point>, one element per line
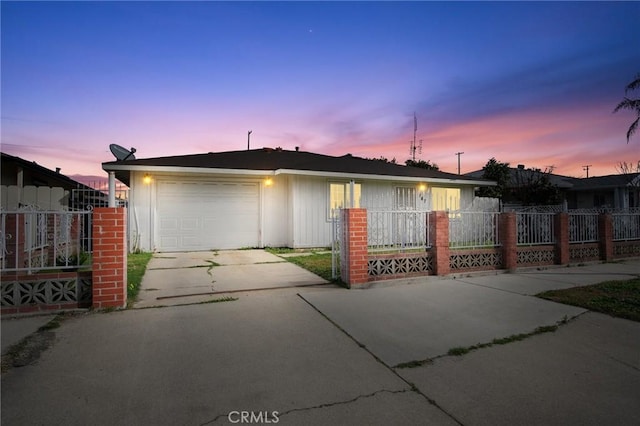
<point>268,181</point>
<point>422,187</point>
<point>146,179</point>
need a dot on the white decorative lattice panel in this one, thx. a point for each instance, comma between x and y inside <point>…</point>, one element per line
<point>536,256</point>
<point>400,265</point>
<point>475,260</point>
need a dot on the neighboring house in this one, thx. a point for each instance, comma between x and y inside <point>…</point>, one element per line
<point>619,191</point>
<point>269,197</point>
<point>26,183</point>
<point>43,220</point>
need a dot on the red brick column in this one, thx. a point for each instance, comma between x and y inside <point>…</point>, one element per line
<point>109,257</point>
<point>561,231</point>
<point>439,233</point>
<point>508,233</point>
<point>14,227</point>
<point>605,234</point>
<point>354,270</point>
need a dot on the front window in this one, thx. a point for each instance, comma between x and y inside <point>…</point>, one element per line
<point>35,227</point>
<point>405,198</point>
<point>340,196</point>
<point>447,199</point>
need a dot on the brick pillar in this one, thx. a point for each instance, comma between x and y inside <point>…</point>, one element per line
<point>354,269</point>
<point>508,232</point>
<point>109,258</point>
<point>439,233</point>
<point>605,234</point>
<point>561,231</point>
<point>14,228</point>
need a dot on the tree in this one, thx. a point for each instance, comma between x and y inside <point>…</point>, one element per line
<point>533,187</point>
<point>498,172</point>
<point>384,159</point>
<point>625,168</point>
<point>631,104</point>
<point>422,164</point>
<point>520,186</point>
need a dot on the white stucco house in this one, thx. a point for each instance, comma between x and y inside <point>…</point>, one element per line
<point>269,197</point>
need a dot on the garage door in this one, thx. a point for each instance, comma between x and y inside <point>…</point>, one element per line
<point>207,215</point>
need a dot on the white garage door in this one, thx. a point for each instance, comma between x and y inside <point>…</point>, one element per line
<point>207,215</point>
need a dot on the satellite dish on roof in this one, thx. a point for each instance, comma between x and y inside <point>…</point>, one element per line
<point>122,153</point>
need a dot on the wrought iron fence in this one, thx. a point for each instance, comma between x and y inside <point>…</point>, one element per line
<point>626,226</point>
<point>88,198</point>
<point>473,229</point>
<point>535,228</point>
<point>583,227</point>
<point>33,240</point>
<point>397,230</point>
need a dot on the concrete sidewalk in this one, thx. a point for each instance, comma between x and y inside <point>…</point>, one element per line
<point>423,318</point>
<point>586,373</point>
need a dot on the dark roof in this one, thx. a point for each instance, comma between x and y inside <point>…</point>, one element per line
<point>602,182</point>
<point>571,183</point>
<point>38,175</point>
<point>520,174</point>
<point>278,159</point>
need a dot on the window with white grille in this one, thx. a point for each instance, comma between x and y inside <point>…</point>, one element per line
<point>405,198</point>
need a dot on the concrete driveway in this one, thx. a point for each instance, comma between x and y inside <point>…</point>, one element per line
<point>325,355</point>
<point>204,364</point>
<point>179,278</point>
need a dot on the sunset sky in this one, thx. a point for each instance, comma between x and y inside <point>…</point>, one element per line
<point>526,83</point>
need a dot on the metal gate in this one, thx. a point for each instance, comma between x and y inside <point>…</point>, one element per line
<point>336,242</point>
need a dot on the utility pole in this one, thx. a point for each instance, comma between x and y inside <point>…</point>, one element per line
<point>459,154</point>
<point>248,138</point>
<point>587,169</point>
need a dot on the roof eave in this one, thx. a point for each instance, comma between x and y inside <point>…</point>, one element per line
<point>181,169</point>
<point>343,175</point>
<point>253,172</point>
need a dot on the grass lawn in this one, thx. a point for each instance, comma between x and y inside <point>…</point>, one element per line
<point>312,261</point>
<point>318,263</point>
<point>136,266</point>
<point>616,298</point>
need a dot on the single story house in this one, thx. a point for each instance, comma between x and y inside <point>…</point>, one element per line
<point>26,183</point>
<point>269,197</point>
<point>618,191</point>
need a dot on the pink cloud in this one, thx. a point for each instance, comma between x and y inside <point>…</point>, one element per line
<point>564,139</point>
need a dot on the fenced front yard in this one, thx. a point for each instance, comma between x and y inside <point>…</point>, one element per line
<point>409,243</point>
<point>54,259</point>
<point>44,240</point>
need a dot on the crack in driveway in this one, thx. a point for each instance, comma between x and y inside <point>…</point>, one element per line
<point>281,414</point>
<point>412,386</point>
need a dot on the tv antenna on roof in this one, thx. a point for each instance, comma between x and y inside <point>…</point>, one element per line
<point>122,153</point>
<point>415,147</point>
